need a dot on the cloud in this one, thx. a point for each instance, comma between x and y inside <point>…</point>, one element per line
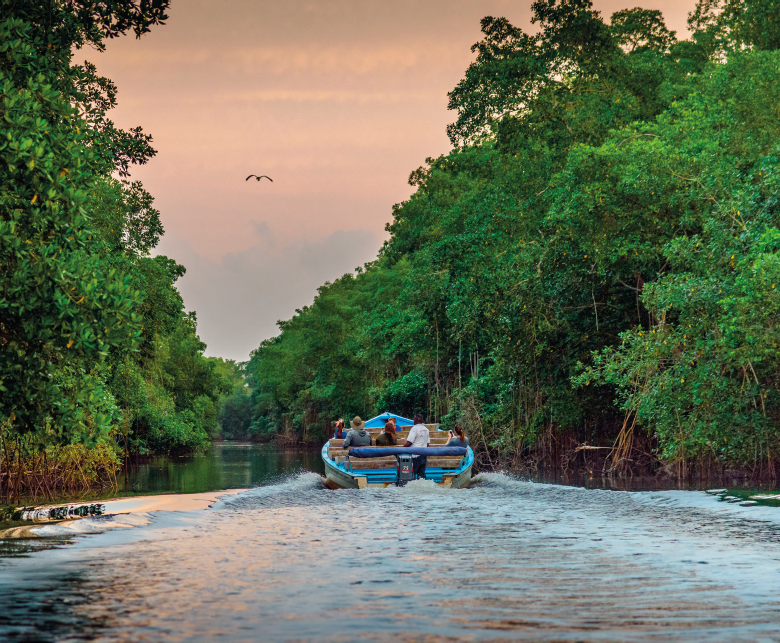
<point>263,232</point>
<point>337,101</point>
<point>239,299</point>
<point>261,229</point>
<point>319,58</point>
<point>321,96</point>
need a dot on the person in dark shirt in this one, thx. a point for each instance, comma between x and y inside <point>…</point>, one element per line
<point>340,431</point>
<point>457,438</point>
<point>387,438</point>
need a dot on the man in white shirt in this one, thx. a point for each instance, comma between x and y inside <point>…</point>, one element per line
<point>419,437</point>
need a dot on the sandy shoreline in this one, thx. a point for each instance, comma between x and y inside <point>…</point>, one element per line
<point>138,506</point>
<point>167,502</point>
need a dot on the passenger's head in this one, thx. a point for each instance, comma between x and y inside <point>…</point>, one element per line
<point>418,418</point>
<point>458,430</point>
<point>390,426</point>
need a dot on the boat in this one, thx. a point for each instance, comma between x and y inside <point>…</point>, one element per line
<point>345,471</point>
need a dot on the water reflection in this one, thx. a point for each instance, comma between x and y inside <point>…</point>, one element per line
<point>598,480</point>
<point>227,465</point>
<point>504,560</point>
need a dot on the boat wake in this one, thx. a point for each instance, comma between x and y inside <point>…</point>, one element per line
<point>90,525</point>
<point>504,558</point>
<point>302,483</point>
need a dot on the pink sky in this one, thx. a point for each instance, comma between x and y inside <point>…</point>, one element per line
<point>338,101</point>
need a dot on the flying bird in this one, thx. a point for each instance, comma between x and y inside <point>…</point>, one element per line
<point>262,176</point>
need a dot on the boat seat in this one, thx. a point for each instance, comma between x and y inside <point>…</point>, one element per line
<point>337,450</point>
<point>374,436</point>
<point>337,453</point>
<point>437,441</point>
<point>441,462</point>
<point>401,437</point>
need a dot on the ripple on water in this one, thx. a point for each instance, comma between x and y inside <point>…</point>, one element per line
<point>506,559</point>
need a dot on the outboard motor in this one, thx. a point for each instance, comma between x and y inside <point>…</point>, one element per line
<point>404,469</point>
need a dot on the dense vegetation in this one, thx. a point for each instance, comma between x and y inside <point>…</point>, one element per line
<point>594,262</point>
<point>96,351</point>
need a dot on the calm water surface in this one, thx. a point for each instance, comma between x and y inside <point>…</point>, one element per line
<point>227,465</point>
<point>504,560</point>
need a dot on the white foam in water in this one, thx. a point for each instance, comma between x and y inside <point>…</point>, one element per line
<point>91,525</point>
<point>421,487</point>
<point>712,504</point>
<point>291,483</point>
<point>682,499</point>
<point>303,481</point>
<point>512,481</point>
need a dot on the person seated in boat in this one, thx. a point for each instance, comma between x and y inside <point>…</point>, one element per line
<point>457,437</point>
<point>341,432</point>
<point>357,436</point>
<point>387,438</point>
<point>419,436</point>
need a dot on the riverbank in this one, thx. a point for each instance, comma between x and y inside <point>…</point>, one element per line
<point>123,512</point>
<point>562,457</point>
<point>226,465</point>
<point>195,482</point>
<point>240,465</point>
<point>176,483</point>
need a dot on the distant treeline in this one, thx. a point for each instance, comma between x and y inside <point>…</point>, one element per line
<point>95,347</point>
<point>594,263</point>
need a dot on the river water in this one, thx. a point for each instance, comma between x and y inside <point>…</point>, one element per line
<point>504,560</point>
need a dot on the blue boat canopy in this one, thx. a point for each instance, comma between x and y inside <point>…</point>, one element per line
<point>379,421</point>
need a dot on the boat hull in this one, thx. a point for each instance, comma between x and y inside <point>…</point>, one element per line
<point>340,476</point>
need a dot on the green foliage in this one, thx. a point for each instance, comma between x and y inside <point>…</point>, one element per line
<point>602,242</point>
<point>304,377</point>
<point>235,411</point>
<point>569,83</point>
<point>122,213</point>
<point>702,374</point>
<point>30,472</point>
<point>170,397</point>
<point>230,370</point>
<point>60,303</point>
<point>406,395</point>
<point>723,27</point>
<point>94,341</point>
<point>235,418</point>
